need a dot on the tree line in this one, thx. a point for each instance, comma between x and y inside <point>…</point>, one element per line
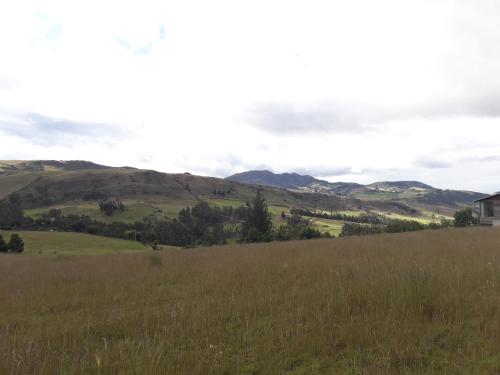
<point>363,218</point>
<point>365,224</point>
<point>203,224</point>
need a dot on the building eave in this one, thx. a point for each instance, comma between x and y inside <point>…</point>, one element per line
<point>494,196</point>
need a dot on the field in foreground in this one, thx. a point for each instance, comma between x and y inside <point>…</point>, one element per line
<point>422,302</point>
<point>68,243</point>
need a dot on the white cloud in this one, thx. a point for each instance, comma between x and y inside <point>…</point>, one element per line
<point>386,89</point>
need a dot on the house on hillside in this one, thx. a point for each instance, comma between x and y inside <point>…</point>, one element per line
<point>489,209</point>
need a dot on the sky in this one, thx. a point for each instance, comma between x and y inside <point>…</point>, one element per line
<point>357,90</point>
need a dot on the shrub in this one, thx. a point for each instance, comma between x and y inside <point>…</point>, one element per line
<point>3,245</point>
<point>55,212</point>
<point>16,244</point>
<point>352,229</point>
<point>464,217</point>
<point>110,206</point>
<point>11,215</point>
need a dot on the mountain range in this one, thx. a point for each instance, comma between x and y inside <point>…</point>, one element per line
<point>77,186</point>
<point>407,191</point>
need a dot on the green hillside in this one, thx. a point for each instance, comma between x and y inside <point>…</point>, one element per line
<point>16,174</point>
<point>68,243</point>
<point>11,182</point>
<point>76,187</point>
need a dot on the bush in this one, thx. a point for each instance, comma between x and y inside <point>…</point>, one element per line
<point>309,233</point>
<point>398,226</point>
<point>11,214</point>
<point>110,206</point>
<point>464,217</point>
<point>254,235</point>
<point>16,244</point>
<point>353,229</point>
<point>3,245</point>
<point>55,212</point>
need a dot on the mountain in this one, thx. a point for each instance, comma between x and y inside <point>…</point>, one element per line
<point>268,178</point>
<point>291,181</point>
<point>413,193</point>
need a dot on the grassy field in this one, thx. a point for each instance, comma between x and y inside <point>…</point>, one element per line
<point>421,220</point>
<point>136,211</point>
<point>68,243</point>
<point>424,302</point>
<point>334,227</point>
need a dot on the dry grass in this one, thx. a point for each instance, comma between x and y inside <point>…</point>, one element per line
<point>424,302</point>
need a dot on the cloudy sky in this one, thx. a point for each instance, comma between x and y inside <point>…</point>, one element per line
<point>356,90</point>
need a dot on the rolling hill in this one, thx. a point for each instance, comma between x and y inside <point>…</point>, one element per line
<point>77,186</point>
<point>413,193</point>
<point>16,174</point>
<point>14,166</point>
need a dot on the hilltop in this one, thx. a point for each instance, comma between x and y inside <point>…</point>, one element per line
<point>13,166</point>
<point>15,174</point>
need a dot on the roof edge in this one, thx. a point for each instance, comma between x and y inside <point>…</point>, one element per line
<point>487,198</point>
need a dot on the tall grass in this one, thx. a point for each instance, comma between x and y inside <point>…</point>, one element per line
<point>426,302</point>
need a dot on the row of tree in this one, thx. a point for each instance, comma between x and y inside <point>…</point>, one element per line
<point>363,218</point>
<point>201,224</point>
<point>463,218</point>
<point>206,225</point>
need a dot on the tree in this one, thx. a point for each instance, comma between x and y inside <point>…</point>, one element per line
<point>3,245</point>
<point>11,214</point>
<point>258,224</point>
<point>110,206</point>
<point>464,217</point>
<point>55,212</point>
<point>16,243</point>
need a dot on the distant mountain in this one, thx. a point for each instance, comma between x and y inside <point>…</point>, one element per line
<point>409,192</point>
<point>268,178</point>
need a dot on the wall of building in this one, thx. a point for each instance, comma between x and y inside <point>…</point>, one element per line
<point>495,220</point>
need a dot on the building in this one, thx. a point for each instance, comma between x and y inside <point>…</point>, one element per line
<point>489,209</point>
